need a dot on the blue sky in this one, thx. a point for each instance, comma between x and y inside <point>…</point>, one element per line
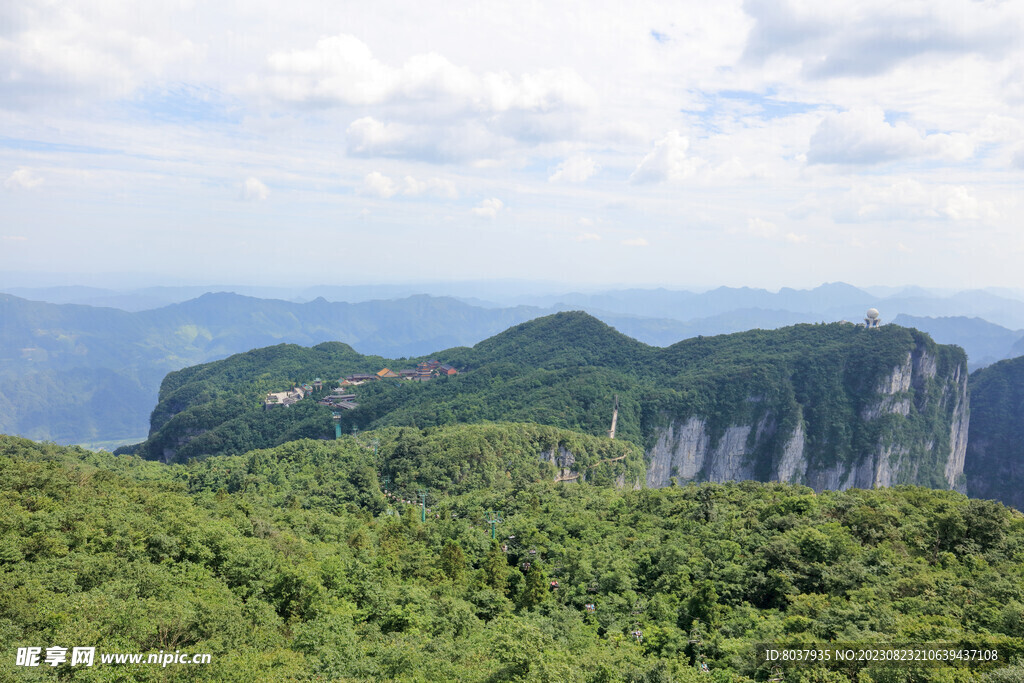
<point>762,143</point>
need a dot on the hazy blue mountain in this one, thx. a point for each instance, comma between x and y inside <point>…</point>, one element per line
<point>1017,349</point>
<point>74,373</point>
<point>683,305</point>
<point>77,373</point>
<point>1000,310</point>
<point>664,332</point>
<point>984,342</point>
<point>488,294</point>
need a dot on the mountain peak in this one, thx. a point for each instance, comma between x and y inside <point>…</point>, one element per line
<point>569,338</point>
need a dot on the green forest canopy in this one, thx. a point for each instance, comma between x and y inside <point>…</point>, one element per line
<point>292,563</point>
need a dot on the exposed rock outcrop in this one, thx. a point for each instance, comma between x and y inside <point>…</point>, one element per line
<point>567,469</point>
<point>912,428</point>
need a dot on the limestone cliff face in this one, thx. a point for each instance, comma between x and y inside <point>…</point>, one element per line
<point>911,429</point>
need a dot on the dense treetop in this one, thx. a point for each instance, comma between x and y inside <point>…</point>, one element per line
<point>293,563</point>
<point>995,447</point>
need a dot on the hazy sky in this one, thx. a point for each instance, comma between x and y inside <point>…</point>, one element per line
<point>759,143</point>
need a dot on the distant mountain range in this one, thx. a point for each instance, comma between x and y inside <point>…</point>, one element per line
<point>827,302</point>
<point>77,373</point>
<point>984,342</point>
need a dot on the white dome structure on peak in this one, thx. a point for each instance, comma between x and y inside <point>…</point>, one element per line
<point>872,319</point>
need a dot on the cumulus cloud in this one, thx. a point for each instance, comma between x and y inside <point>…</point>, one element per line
<point>72,49</point>
<point>962,205</point>
<point>342,70</point>
<point>1018,158</point>
<point>758,227</point>
<point>588,237</point>
<point>868,38</point>
<point>763,229</point>
<point>863,136</point>
<point>488,208</point>
<point>23,179</point>
<point>635,242</point>
<point>254,191</point>
<point>379,185</point>
<point>369,137</point>
<point>575,169</point>
<point>427,108</point>
<point>908,199</point>
<point>667,161</point>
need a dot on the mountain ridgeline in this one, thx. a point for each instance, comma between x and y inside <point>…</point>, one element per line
<point>832,406</point>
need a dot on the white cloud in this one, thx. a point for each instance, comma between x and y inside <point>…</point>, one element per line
<point>1018,157</point>
<point>370,137</point>
<point>52,50</point>
<point>23,179</point>
<point>432,186</point>
<point>380,185</point>
<point>758,227</point>
<point>342,70</point>
<point>254,191</point>
<point>961,205</point>
<point>488,208</point>
<point>872,37</point>
<point>908,199</point>
<point>667,161</point>
<point>575,169</point>
<point>635,242</point>
<point>14,238</point>
<point>766,230</point>
<point>863,136</point>
<point>367,136</point>
<point>539,109</point>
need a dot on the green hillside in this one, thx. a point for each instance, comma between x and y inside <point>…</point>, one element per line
<point>565,370</point>
<point>292,564</point>
<point>995,449</point>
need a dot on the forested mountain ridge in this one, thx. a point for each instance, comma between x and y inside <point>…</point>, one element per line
<point>995,448</point>
<point>86,374</point>
<point>829,405</point>
<point>292,563</point>
<point>75,373</point>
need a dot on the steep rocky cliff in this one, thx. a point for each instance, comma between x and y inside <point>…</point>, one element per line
<point>908,426</point>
